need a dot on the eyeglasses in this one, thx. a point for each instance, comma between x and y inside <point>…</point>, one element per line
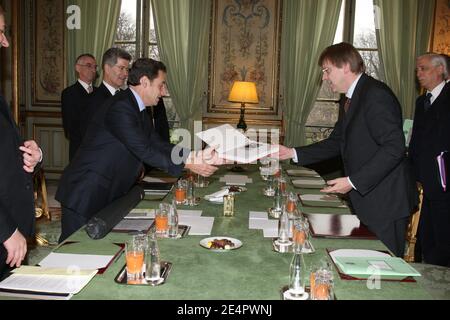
<point>88,65</point>
<point>122,68</point>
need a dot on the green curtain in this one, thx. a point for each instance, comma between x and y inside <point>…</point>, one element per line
<point>182,29</point>
<point>404,34</point>
<point>97,33</point>
<point>309,26</point>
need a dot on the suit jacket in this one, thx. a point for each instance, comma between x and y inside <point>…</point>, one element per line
<point>431,136</point>
<point>158,116</point>
<point>16,186</point>
<point>370,140</point>
<point>73,101</point>
<point>93,104</point>
<point>118,141</point>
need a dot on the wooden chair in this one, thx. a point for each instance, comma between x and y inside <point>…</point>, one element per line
<point>411,233</point>
<point>40,195</point>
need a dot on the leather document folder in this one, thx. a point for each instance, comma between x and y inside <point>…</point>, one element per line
<point>338,226</point>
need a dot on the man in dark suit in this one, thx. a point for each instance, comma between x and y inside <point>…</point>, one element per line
<point>369,138</point>
<point>158,116</point>
<point>430,137</point>
<point>17,161</point>
<point>115,65</point>
<point>75,97</point>
<point>118,142</point>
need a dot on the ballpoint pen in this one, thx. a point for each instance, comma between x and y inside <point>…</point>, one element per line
<point>119,255</point>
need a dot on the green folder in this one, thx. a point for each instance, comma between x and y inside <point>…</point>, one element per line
<point>386,267</point>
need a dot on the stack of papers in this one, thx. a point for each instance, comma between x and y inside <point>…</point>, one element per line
<point>45,283</point>
<point>127,225</point>
<point>141,214</point>
<point>302,173</point>
<point>232,145</point>
<point>236,180</point>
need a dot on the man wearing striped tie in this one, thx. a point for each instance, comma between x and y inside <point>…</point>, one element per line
<point>73,98</point>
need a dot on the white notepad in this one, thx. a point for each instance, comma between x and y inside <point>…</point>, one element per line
<point>81,261</point>
<point>199,225</point>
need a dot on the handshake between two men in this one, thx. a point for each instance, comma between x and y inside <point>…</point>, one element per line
<point>204,162</point>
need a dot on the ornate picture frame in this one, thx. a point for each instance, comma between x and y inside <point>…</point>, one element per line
<point>245,46</point>
<point>49,68</point>
<point>441,27</point>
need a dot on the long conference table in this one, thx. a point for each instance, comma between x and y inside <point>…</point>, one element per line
<point>254,271</point>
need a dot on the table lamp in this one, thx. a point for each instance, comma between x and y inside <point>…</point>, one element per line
<point>243,92</point>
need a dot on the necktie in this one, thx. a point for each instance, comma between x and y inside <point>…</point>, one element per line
<point>90,89</point>
<point>347,104</point>
<point>117,91</point>
<point>427,101</point>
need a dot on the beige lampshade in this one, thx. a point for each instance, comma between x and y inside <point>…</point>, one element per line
<point>243,91</point>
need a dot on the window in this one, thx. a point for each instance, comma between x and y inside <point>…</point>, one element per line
<point>357,26</point>
<point>136,33</point>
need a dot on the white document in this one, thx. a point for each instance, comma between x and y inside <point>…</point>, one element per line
<point>80,261</point>
<point>189,213</point>
<point>232,145</point>
<point>199,225</point>
<point>352,253</point>
<point>320,197</point>
<point>134,225</point>
<point>270,232</point>
<point>312,182</point>
<point>141,214</point>
<point>257,215</point>
<point>39,279</point>
<point>303,172</point>
<point>236,180</point>
<point>261,224</point>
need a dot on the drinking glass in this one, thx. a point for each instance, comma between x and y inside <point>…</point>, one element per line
<point>134,255</point>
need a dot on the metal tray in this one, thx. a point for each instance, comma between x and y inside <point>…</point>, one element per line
<point>183,231</point>
<point>307,290</point>
<point>288,247</point>
<point>166,267</point>
<point>273,213</point>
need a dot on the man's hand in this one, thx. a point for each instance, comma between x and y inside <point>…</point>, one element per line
<point>340,185</point>
<point>283,153</point>
<point>210,156</point>
<point>31,155</point>
<point>16,246</point>
<point>201,162</point>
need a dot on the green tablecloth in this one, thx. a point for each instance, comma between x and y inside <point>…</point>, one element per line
<point>254,271</point>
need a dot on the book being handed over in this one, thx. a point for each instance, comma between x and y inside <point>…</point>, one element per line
<point>232,145</point>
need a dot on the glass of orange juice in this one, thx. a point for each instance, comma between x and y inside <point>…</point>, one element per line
<point>180,191</point>
<point>134,250</point>
<point>162,219</point>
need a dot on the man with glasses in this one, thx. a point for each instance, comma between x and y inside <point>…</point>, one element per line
<point>115,65</point>
<point>369,138</point>
<point>431,138</point>
<point>73,98</point>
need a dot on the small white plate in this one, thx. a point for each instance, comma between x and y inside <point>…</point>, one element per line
<point>237,243</point>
